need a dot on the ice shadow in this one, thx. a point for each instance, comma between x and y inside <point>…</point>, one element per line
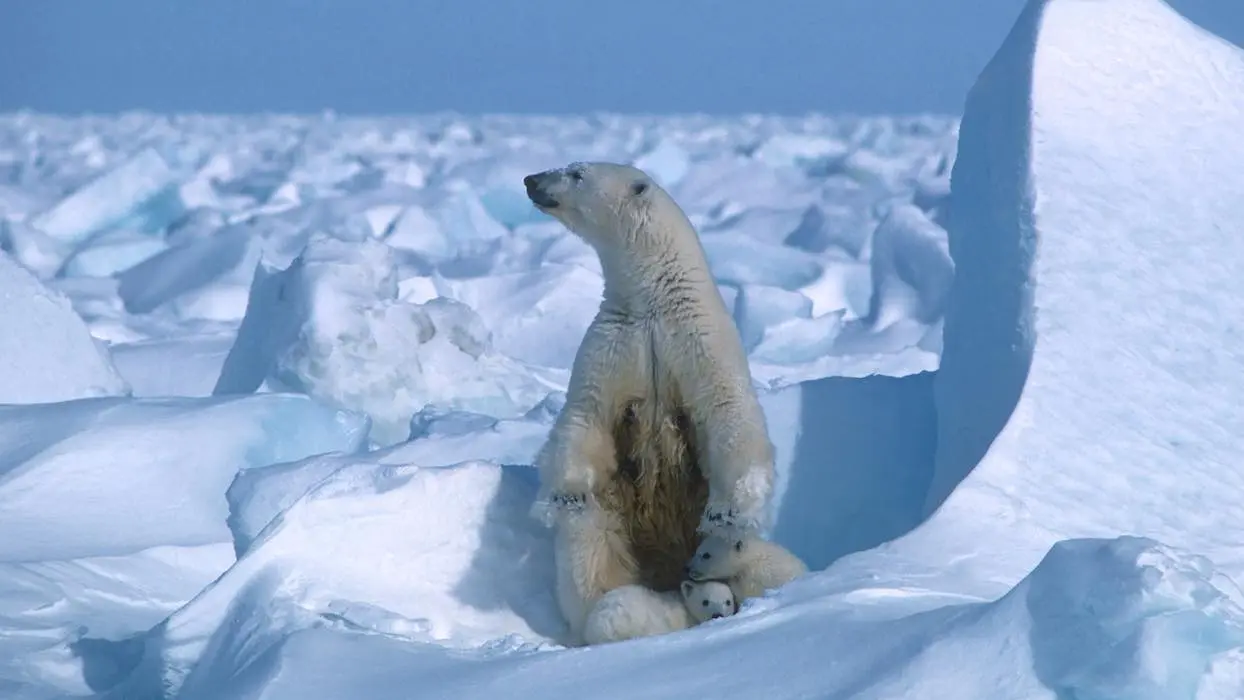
<point>859,467</point>
<point>105,662</point>
<point>513,566</point>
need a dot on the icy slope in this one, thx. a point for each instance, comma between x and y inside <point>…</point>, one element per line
<point>46,352</point>
<point>113,513</point>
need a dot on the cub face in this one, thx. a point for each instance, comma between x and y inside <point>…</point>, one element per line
<point>708,600</point>
<point>716,558</point>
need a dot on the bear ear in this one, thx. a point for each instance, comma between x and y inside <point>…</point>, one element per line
<point>687,587</point>
<point>639,188</point>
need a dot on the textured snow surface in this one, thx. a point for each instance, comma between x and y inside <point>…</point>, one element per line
<point>275,385</point>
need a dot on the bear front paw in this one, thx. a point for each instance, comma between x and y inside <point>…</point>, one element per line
<point>547,509</point>
<point>569,502</point>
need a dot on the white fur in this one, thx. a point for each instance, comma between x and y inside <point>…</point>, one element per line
<point>706,600</point>
<point>644,240</point>
<point>632,611</point>
<point>751,566</point>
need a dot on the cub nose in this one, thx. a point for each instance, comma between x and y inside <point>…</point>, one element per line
<point>716,615</point>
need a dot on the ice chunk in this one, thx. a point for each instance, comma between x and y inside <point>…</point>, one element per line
<point>667,163</point>
<point>141,194</point>
<point>105,477</point>
<point>60,617</point>
<point>188,267</point>
<point>439,438</point>
<point>1090,381</point>
<point>762,224</point>
<point>741,260</point>
<point>180,366</point>
<point>844,220</point>
<point>801,151</point>
<point>538,317</point>
<point>331,325</point>
<point>35,250</point>
<point>911,268</point>
<point>799,340</point>
<point>46,352</point>
<point>756,308</point>
<point>106,258</point>
<point>473,567</point>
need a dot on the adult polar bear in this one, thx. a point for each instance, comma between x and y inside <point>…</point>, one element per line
<point>662,438</point>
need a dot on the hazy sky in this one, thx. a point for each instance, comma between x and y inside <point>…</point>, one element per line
<point>377,56</point>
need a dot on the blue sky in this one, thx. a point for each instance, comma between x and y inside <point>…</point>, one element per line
<point>384,56</point>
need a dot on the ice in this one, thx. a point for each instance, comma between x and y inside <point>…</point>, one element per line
<point>667,163</point>
<point>331,325</point>
<point>537,317</point>
<point>1085,544</point>
<point>140,473</point>
<point>445,555</point>
<point>187,267</point>
<point>737,259</point>
<point>181,366</point>
<point>757,307</point>
<point>115,255</point>
<point>36,251</point>
<point>1087,365</point>
<point>46,352</point>
<point>140,193</point>
<point>1120,619</point>
<point>911,268</point>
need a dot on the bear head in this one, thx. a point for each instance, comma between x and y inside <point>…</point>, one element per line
<point>608,205</point>
<point>708,600</point>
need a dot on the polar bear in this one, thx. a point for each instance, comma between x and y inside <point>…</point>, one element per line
<point>632,611</point>
<point>661,438</point>
<point>750,565</point>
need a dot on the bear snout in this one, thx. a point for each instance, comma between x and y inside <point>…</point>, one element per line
<point>717,615</point>
<point>537,192</point>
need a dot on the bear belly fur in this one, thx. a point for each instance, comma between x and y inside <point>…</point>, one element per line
<point>658,490</point>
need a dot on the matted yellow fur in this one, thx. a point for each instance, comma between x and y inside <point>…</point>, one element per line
<point>658,490</point>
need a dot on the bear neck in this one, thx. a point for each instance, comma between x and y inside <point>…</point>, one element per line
<point>642,280</point>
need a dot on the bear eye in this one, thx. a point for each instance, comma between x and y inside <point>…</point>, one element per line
<point>738,546</point>
<point>576,176</point>
<point>639,188</point>
<point>706,555</point>
<point>704,603</point>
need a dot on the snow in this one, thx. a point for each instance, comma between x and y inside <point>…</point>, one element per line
<point>276,383</point>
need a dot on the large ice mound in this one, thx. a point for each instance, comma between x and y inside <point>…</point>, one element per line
<point>46,351</point>
<point>1124,375</point>
<point>331,325</point>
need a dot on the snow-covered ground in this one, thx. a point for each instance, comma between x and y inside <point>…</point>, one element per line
<point>282,449</point>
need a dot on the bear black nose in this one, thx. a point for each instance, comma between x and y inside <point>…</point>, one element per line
<point>536,191</point>
<point>716,615</point>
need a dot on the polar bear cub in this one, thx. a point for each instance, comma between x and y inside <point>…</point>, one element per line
<point>632,611</point>
<point>750,566</point>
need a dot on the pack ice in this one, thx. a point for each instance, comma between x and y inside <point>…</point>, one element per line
<point>1053,513</point>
